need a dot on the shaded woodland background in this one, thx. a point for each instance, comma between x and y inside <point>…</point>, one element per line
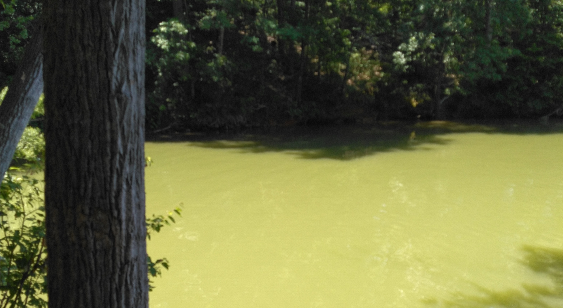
<point>226,64</point>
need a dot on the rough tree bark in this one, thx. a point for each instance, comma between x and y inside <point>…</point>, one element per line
<point>22,96</point>
<point>94,54</point>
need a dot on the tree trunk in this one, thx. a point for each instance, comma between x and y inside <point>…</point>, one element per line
<point>20,101</point>
<point>94,192</point>
<point>221,39</point>
<point>345,77</point>
<point>281,23</point>
<point>303,59</point>
<point>179,10</point>
<point>488,21</point>
<point>302,67</point>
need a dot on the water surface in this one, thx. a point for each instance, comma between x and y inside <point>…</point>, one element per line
<point>423,215</point>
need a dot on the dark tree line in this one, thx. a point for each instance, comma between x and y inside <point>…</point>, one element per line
<point>233,63</point>
<point>237,63</point>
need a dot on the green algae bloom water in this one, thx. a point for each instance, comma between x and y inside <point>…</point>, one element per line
<point>432,214</point>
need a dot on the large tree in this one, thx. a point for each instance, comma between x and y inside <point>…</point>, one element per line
<point>94,54</point>
<point>24,92</point>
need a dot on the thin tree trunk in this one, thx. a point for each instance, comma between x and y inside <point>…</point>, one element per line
<point>488,21</point>
<point>345,77</point>
<point>302,66</point>
<point>182,13</point>
<point>303,59</point>
<point>221,39</point>
<point>319,70</point>
<point>21,99</point>
<point>265,9</point>
<point>179,10</point>
<point>94,191</point>
<point>439,109</point>
<point>281,23</point>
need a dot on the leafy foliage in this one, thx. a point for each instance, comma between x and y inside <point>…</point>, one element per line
<point>22,246</point>
<point>15,20</point>
<point>266,63</point>
<point>155,224</point>
<point>31,147</point>
<point>230,63</point>
<point>169,56</point>
<point>3,94</point>
<point>30,150</point>
<point>23,251</point>
<point>39,111</point>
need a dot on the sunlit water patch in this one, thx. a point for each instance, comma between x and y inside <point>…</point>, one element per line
<point>428,215</point>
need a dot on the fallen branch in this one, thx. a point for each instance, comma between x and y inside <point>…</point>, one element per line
<point>558,111</point>
<point>164,129</point>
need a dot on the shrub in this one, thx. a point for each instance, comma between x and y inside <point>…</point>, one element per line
<point>23,252</point>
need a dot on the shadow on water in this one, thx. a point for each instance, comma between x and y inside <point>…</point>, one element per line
<point>547,262</point>
<point>351,142</point>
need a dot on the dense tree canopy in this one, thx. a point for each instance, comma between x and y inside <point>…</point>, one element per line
<point>228,63</point>
<point>232,63</point>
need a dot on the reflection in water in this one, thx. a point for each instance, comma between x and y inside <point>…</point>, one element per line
<point>352,217</point>
<point>330,142</point>
<point>544,261</point>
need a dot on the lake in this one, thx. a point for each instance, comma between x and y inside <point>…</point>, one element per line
<point>420,215</point>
